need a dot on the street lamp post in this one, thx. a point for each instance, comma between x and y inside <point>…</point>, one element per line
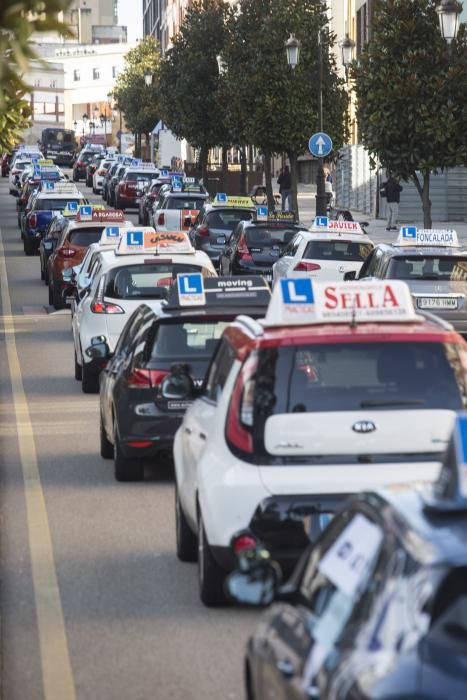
<point>292,47</point>
<point>449,12</point>
<point>347,47</point>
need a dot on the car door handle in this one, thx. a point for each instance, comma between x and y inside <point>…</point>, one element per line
<point>203,436</point>
<point>188,431</point>
<point>286,668</point>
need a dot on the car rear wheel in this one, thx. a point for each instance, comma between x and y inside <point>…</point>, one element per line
<point>78,369</point>
<point>57,299</point>
<point>126,468</point>
<point>210,575</point>
<point>106,447</point>
<point>89,381</point>
<point>28,246</point>
<point>187,543</point>
<point>42,271</point>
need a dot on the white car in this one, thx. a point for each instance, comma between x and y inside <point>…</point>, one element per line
<point>176,210</point>
<point>100,173</point>
<point>340,389</point>
<point>326,252</point>
<point>141,269</point>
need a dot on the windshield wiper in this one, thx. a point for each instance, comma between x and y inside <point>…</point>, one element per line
<point>395,402</point>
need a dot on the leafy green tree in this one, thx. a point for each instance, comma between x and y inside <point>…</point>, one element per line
<point>19,20</point>
<point>411,94</point>
<point>277,109</point>
<point>190,88</point>
<point>138,102</point>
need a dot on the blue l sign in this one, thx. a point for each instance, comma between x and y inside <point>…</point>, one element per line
<point>320,145</point>
<point>134,238</point>
<point>409,232</point>
<point>112,231</point>
<point>190,289</point>
<point>297,291</point>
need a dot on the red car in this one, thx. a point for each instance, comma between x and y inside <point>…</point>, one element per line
<point>5,164</point>
<point>134,178</point>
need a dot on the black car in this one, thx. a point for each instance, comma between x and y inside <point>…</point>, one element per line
<point>147,199</point>
<point>138,413</point>
<point>215,223</point>
<point>108,176</point>
<point>81,163</point>
<point>376,609</point>
<point>112,183</point>
<point>92,167</point>
<point>254,246</point>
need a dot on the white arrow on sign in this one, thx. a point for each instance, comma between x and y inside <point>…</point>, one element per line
<point>320,143</point>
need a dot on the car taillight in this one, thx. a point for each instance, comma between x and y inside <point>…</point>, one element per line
<point>203,230</point>
<point>303,266</point>
<point>15,171</point>
<point>242,249</point>
<point>146,378</point>
<point>101,171</point>
<point>66,252</point>
<point>81,164</point>
<point>32,220</point>
<point>161,220</point>
<point>240,416</point>
<point>243,542</point>
<point>102,307</point>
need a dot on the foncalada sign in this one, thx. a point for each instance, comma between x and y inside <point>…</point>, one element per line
<point>191,290</point>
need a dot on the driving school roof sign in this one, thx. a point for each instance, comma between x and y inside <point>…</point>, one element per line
<point>300,301</point>
<point>413,236</point>
<point>323,224</point>
<point>146,240</point>
<point>191,289</point>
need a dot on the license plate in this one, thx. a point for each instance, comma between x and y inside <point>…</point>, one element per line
<point>437,302</point>
<point>178,405</point>
<point>221,240</point>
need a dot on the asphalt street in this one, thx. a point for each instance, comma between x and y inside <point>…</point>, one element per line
<point>94,603</point>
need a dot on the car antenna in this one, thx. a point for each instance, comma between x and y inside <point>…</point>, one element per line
<point>353,321</point>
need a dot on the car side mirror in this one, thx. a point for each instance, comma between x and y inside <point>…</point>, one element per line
<point>99,349</point>
<point>350,275</point>
<point>178,385</point>
<point>257,586</point>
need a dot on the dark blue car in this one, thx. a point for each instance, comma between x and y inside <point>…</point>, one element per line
<point>377,608</point>
<point>44,206</point>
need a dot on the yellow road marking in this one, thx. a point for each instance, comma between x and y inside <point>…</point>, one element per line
<point>57,676</point>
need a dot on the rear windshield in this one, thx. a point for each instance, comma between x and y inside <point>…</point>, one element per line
<point>22,165</point>
<point>349,377</point>
<point>338,250</point>
<point>227,219</point>
<point>145,281</point>
<point>269,236</point>
<point>85,236</point>
<point>54,204</point>
<point>421,267</point>
<point>184,203</point>
<point>187,340</point>
<point>86,157</point>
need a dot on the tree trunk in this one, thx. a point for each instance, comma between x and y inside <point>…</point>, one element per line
<point>243,170</point>
<point>294,180</point>
<point>225,169</point>
<point>424,193</point>
<point>268,178</point>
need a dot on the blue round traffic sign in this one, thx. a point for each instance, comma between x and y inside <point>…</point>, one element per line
<point>320,145</point>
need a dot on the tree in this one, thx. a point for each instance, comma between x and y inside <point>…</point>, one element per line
<point>138,102</point>
<point>278,108</point>
<point>411,105</point>
<point>190,88</point>
<point>19,20</point>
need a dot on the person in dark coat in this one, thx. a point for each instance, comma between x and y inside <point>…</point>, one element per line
<point>391,189</point>
<point>285,188</point>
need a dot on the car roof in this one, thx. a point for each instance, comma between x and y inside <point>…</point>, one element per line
<point>422,251</point>
<point>432,537</point>
<point>186,193</point>
<point>336,237</point>
<point>274,224</point>
<point>246,334</point>
<point>209,207</point>
<point>113,260</point>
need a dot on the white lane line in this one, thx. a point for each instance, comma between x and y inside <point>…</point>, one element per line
<point>57,676</point>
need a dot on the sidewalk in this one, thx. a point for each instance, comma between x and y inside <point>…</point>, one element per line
<point>376,227</point>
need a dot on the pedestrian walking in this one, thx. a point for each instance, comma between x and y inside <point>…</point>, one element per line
<point>391,189</point>
<point>285,188</point>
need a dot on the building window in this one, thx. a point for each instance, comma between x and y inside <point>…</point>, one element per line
<point>53,83</point>
<point>37,83</point>
<point>76,75</point>
<point>114,71</point>
<point>96,73</point>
